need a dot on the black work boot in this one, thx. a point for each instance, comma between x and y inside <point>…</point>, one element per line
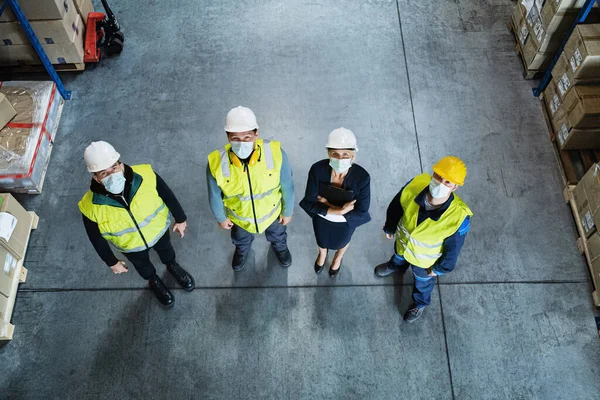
<point>239,260</point>
<point>413,314</point>
<point>186,281</point>
<point>383,270</point>
<point>162,292</point>
<point>284,257</point>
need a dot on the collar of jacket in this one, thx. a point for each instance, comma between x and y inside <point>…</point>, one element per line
<point>437,213</point>
<point>104,197</point>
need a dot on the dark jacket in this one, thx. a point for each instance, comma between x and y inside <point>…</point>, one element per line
<point>357,180</point>
<point>452,244</point>
<point>100,244</point>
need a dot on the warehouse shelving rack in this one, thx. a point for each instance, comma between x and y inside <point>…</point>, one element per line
<point>581,17</point>
<point>37,46</point>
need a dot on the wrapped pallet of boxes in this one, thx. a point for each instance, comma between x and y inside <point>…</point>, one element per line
<point>579,63</point>
<point>62,40</point>
<point>26,141</point>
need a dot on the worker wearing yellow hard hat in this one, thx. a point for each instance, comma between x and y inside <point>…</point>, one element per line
<point>430,223</point>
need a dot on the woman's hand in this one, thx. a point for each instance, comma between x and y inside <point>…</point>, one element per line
<point>346,208</point>
<point>322,200</point>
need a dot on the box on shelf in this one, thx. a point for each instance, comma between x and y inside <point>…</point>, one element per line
<point>553,104</point>
<point>534,59</point>
<point>593,245</point>
<point>582,105</point>
<point>58,53</point>
<point>557,23</point>
<point>58,31</point>
<point>566,5</point>
<point>7,111</point>
<point>25,148</point>
<point>84,7</point>
<point>561,77</point>
<point>45,9</point>
<point>587,208</point>
<point>570,138</point>
<point>582,52</point>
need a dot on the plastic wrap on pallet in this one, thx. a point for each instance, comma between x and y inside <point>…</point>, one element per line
<point>26,141</point>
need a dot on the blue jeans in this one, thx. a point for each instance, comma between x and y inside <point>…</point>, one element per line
<point>275,233</point>
<point>423,283</point>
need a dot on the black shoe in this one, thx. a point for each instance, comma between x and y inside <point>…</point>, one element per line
<point>334,272</point>
<point>319,268</point>
<point>383,270</point>
<point>413,314</point>
<point>162,292</point>
<point>284,257</point>
<point>186,281</point>
<point>239,260</point>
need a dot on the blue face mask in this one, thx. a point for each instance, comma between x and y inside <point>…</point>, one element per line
<point>340,165</point>
<point>114,183</point>
<point>242,149</point>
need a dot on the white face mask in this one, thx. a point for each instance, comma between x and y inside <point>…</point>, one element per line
<point>242,149</point>
<point>340,165</point>
<point>114,183</point>
<point>438,190</point>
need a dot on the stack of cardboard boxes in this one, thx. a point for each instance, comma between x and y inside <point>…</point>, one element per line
<point>540,27</point>
<point>587,201</point>
<point>15,228</point>
<point>573,97</point>
<point>59,26</point>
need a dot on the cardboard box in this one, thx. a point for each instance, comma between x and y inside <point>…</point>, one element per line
<point>582,52</point>
<point>554,104</point>
<point>582,106</point>
<point>7,15</point>
<point>84,7</point>
<point>534,59</point>
<point>573,139</point>
<point>590,183</point>
<point>7,111</point>
<point>593,245</point>
<point>560,77</point>
<point>60,31</point>
<point>45,9</point>
<point>18,240</point>
<point>8,267</point>
<point>566,5</point>
<point>58,53</point>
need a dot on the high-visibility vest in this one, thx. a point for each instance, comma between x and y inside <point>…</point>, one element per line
<point>134,228</point>
<point>422,245</point>
<point>251,193</point>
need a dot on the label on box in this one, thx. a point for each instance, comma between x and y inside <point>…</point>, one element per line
<point>587,221</point>
<point>576,60</point>
<point>539,4</point>
<point>523,33</point>
<point>8,223</point>
<point>564,84</point>
<point>563,133</point>
<point>10,263</point>
<point>554,103</point>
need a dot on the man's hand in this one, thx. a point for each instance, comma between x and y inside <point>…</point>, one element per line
<point>346,208</point>
<point>227,224</point>
<point>180,228</point>
<point>389,236</point>
<point>119,268</point>
<point>283,220</point>
<point>430,272</point>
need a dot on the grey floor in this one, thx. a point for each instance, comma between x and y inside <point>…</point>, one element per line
<point>415,80</point>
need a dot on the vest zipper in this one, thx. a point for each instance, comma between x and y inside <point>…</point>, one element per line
<point>247,168</point>
<point>135,222</point>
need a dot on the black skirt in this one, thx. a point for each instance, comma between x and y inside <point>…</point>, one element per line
<point>331,235</point>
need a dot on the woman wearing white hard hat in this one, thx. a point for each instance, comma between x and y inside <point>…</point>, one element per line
<point>337,198</point>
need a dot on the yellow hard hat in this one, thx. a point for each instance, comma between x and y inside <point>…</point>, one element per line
<point>451,168</point>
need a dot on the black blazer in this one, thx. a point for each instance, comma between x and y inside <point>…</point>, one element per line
<point>357,180</point>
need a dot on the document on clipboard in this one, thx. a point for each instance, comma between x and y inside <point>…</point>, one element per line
<point>335,195</point>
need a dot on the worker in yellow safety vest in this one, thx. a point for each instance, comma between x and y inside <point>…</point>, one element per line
<point>250,188</point>
<point>430,224</point>
<point>128,207</point>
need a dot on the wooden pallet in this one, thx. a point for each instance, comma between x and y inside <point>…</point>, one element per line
<point>18,69</point>
<point>527,73</point>
<point>6,328</point>
<point>572,164</point>
<point>581,241</point>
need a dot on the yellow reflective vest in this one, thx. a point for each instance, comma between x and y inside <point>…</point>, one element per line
<point>422,245</point>
<point>134,228</point>
<point>251,193</point>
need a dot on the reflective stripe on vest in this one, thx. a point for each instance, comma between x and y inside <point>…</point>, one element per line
<point>142,224</point>
<point>259,220</point>
<point>414,241</point>
<point>150,243</point>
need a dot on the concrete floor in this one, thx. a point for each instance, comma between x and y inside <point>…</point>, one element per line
<point>415,82</point>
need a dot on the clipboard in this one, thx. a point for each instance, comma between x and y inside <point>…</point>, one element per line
<point>335,195</point>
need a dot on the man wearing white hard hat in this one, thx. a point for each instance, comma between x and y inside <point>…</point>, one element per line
<point>250,188</point>
<point>128,207</point>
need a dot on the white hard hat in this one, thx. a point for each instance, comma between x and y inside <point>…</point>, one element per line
<point>240,119</point>
<point>99,156</point>
<point>342,138</point>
